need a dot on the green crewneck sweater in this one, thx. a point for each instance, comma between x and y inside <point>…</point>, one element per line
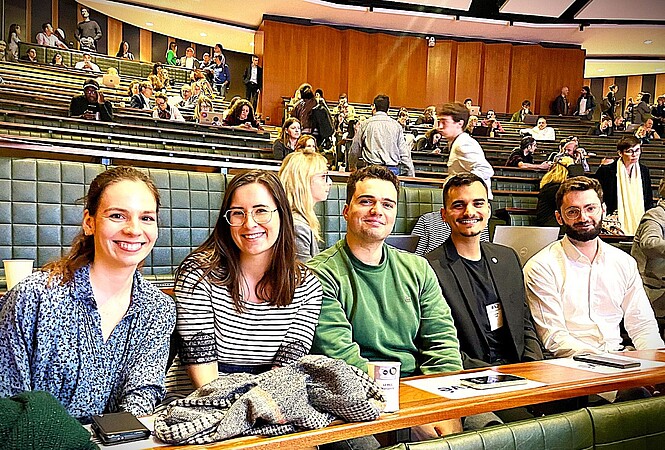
<point>391,312</point>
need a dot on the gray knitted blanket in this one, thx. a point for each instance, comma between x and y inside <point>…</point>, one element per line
<point>309,394</point>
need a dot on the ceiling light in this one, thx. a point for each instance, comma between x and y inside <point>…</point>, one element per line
<point>601,70</point>
<point>203,34</point>
<point>481,20</point>
<point>337,6</point>
<point>648,41</point>
<point>149,24</point>
<point>251,44</point>
<point>413,13</point>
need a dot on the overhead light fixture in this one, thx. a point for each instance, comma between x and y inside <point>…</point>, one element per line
<point>203,34</point>
<point>337,5</point>
<point>648,42</point>
<point>544,25</point>
<point>601,70</point>
<point>485,21</point>
<point>149,24</point>
<point>424,15</point>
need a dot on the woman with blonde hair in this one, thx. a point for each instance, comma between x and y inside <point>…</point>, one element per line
<point>304,176</point>
<point>203,105</point>
<point>549,184</point>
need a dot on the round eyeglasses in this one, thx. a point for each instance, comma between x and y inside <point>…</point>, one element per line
<point>574,212</point>
<point>238,217</point>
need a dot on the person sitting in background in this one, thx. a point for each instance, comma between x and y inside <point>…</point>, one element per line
<point>198,76</point>
<point>57,60</point>
<point>202,109</point>
<point>303,108</point>
<point>242,115</point>
<point>649,130</point>
<point>549,185</point>
<point>304,176</point>
<point>649,251</point>
<point>428,117</point>
<point>658,115</point>
<point>87,64</point>
<point>541,132</point>
<point>189,61</point>
<point>159,80</point>
<point>586,103</point>
<point>48,38</point>
<point>341,114</point>
<point>493,124</point>
<point>518,116</point>
<point>185,95</point>
<point>142,99</point>
<point>30,56</point>
<point>619,124</point>
<point>626,185</point>
<point>570,147</point>
<point>638,110</point>
<point>429,142</point>
<point>235,99</point>
<point>244,302</point>
<point>403,118</point>
<point>123,51</point>
<point>88,328</point>
<point>641,135</point>
<point>522,156</point>
<point>287,139</point>
<point>604,128</point>
<point>306,143</point>
<point>471,124</point>
<point>165,111</point>
<point>172,54</point>
<point>91,105</point>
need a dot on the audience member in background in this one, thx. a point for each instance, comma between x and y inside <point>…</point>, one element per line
<point>133,88</point>
<point>403,118</point>
<point>196,93</point>
<point>522,156</point>
<point>428,117</point>
<point>91,105</point>
<point>365,281</point>
<point>320,99</point>
<point>483,284</point>
<point>518,116</point>
<point>189,61</point>
<point>219,50</point>
<point>198,76</point>
<point>619,123</point>
<point>253,80</point>
<point>235,99</point>
<point>123,51</point>
<point>610,101</point>
<point>641,135</point>
<point>203,107</point>
<point>304,176</point>
<point>221,76</point>
<point>561,105</point>
<point>604,128</point>
<point>185,95</point>
<point>57,60</point>
<point>303,108</point>
<point>30,56</point>
<point>649,252</point>
<point>466,155</point>
<point>580,289</point>
<point>159,81</point>
<point>87,64</point>
<point>637,110</point>
<point>306,143</point>
<point>493,124</point>
<point>88,32</point>
<point>429,142</point>
<point>380,141</point>
<point>88,328</point>
<point>3,51</point>
<point>626,185</point>
<point>287,140</point>
<point>549,185</point>
<point>341,114</point>
<point>541,132</point>
<point>49,39</point>
<point>472,123</point>
<point>569,146</point>
<point>165,111</point>
<point>324,127</point>
<point>242,115</point>
<point>172,54</point>
<point>244,303</point>
<point>649,130</point>
<point>658,115</point>
<point>586,103</point>
<point>293,101</point>
<point>13,39</point>
<point>142,99</point>
<point>468,103</point>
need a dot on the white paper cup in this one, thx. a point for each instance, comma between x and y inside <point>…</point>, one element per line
<point>386,376</point>
<point>16,270</point>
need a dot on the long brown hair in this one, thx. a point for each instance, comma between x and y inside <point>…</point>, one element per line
<point>219,256</point>
<point>82,251</point>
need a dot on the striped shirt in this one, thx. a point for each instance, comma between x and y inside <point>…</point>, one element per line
<point>433,232</point>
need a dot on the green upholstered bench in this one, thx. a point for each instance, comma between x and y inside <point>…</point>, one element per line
<point>638,424</point>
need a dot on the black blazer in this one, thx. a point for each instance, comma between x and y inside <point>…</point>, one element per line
<point>607,176</point>
<point>506,273</point>
<point>248,74</point>
<point>137,101</point>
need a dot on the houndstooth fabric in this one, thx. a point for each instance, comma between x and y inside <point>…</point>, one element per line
<point>309,394</point>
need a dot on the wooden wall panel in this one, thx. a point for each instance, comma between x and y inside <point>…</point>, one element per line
<point>324,53</point>
<point>553,78</point>
<point>524,76</point>
<point>607,82</point>
<point>660,86</point>
<point>468,71</point>
<point>439,63</point>
<point>496,77</point>
<point>114,35</point>
<point>391,65</point>
<point>145,47</point>
<point>634,86</point>
<point>412,85</point>
<point>362,64</point>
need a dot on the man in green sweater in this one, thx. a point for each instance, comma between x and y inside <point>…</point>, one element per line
<point>380,303</point>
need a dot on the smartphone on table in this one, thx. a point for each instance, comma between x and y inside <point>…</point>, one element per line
<point>493,381</point>
<point>118,428</point>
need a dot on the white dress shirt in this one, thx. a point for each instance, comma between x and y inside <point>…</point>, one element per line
<point>577,305</point>
<point>467,156</point>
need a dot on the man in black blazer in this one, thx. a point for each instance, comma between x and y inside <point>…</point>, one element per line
<point>142,99</point>
<point>253,79</point>
<point>482,282</point>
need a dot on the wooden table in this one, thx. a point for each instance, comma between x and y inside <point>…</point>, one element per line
<point>418,407</point>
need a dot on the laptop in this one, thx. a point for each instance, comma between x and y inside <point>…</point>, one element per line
<point>474,111</point>
<point>481,131</point>
<point>211,118</point>
<point>531,119</point>
<point>525,240</point>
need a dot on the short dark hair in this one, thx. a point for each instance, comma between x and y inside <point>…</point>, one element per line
<point>369,172</point>
<point>456,110</point>
<point>468,99</point>
<point>45,25</point>
<point>577,184</point>
<point>306,91</point>
<point>462,179</point>
<point>526,103</point>
<point>526,142</point>
<point>381,102</point>
<point>646,97</point>
<point>319,91</point>
<point>627,142</point>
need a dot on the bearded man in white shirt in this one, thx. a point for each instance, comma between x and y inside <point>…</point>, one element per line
<point>580,288</point>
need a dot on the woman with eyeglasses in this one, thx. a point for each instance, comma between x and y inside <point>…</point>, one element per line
<point>304,176</point>
<point>626,185</point>
<point>244,303</point>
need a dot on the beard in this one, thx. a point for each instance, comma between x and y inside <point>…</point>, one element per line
<point>583,236</point>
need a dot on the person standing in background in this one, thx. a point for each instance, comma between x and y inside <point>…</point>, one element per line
<point>253,79</point>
